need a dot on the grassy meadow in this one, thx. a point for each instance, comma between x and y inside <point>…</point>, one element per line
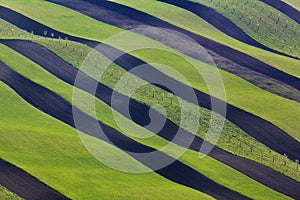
<point>54,152</point>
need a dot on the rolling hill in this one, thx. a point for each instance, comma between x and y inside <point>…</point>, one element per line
<point>115,99</point>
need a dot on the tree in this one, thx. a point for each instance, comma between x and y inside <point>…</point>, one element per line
<point>153,92</point>
<point>257,27</point>
<point>66,41</point>
<point>162,96</point>
<point>261,154</point>
<point>251,147</point>
<point>285,156</point>
<point>170,95</point>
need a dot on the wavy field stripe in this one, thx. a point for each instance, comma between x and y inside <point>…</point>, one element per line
<point>260,129</point>
<point>277,119</point>
<point>178,16</point>
<point>191,158</point>
<point>40,54</point>
<point>222,23</point>
<point>294,3</point>
<point>225,51</point>
<point>254,17</point>
<point>85,175</point>
<point>127,18</point>
<point>284,8</point>
<point>139,114</point>
<point>23,184</point>
<point>52,104</point>
<point>118,16</point>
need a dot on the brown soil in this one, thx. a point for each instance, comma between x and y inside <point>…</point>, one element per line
<point>24,184</point>
<point>54,105</point>
<point>139,114</point>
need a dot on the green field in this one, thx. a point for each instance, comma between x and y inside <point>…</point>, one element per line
<point>239,92</point>
<point>241,144</point>
<point>85,177</point>
<point>266,25</point>
<point>89,28</point>
<point>105,116</point>
<point>145,94</point>
<point>57,154</point>
<point>190,21</point>
<point>7,195</point>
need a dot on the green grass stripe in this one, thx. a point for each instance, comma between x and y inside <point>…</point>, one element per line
<point>153,141</point>
<point>65,164</point>
<point>190,21</point>
<point>239,92</point>
<point>232,139</point>
<point>5,194</point>
<point>86,27</point>
<point>262,22</point>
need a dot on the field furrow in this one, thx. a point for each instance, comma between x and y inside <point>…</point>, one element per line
<point>149,99</point>
<point>257,127</point>
<point>24,184</point>
<point>284,8</point>
<point>54,105</point>
<point>139,114</point>
<point>225,51</point>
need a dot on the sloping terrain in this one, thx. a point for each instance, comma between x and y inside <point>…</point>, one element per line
<point>225,51</point>
<point>256,157</point>
<point>254,125</point>
<point>8,195</point>
<point>191,160</point>
<point>285,8</point>
<point>198,25</point>
<point>24,184</point>
<point>260,21</point>
<point>137,111</point>
<point>127,18</point>
<point>42,99</point>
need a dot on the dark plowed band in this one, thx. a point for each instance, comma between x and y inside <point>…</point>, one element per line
<point>139,114</point>
<point>260,129</point>
<point>54,105</point>
<point>284,8</point>
<point>24,184</point>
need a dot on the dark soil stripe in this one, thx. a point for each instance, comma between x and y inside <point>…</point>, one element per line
<point>285,8</point>
<point>221,22</point>
<point>25,185</point>
<point>139,114</point>
<point>52,104</point>
<point>260,80</point>
<point>208,14</point>
<point>128,18</point>
<point>144,18</point>
<point>260,129</point>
